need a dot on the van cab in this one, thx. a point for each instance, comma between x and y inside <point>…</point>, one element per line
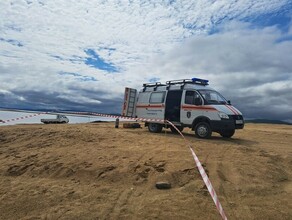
<point>186,103</point>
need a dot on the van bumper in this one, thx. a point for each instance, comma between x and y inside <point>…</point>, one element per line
<point>227,124</point>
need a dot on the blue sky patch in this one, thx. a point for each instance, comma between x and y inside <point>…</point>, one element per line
<point>57,57</point>
<point>13,27</point>
<point>285,38</point>
<point>153,80</point>
<point>107,48</point>
<point>78,76</point>
<point>87,78</point>
<point>97,62</point>
<point>74,59</point>
<point>13,42</point>
<point>281,19</point>
<point>70,74</point>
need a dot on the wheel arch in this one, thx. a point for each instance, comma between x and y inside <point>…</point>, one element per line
<point>200,119</point>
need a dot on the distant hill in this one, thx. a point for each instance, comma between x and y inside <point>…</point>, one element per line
<point>267,121</point>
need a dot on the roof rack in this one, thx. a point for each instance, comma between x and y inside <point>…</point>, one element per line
<point>155,85</point>
<point>182,82</point>
<point>192,81</point>
<point>152,84</point>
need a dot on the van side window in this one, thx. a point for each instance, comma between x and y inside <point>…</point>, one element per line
<point>157,97</point>
<point>143,97</point>
<point>191,97</point>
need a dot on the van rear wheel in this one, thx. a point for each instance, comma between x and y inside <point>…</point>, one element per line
<point>154,127</point>
<point>203,130</point>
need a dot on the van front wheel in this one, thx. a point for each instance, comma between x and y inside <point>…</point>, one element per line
<point>153,127</point>
<point>203,130</point>
<point>227,133</point>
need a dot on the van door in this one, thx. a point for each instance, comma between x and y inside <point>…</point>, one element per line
<point>129,103</point>
<point>191,107</point>
<point>173,105</point>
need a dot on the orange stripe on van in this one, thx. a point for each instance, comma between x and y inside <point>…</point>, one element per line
<point>150,106</point>
<point>232,109</point>
<point>192,107</point>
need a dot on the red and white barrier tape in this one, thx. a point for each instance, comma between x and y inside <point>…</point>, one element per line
<point>21,118</point>
<point>197,161</point>
<point>204,176</point>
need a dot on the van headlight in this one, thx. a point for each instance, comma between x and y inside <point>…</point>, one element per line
<point>223,115</point>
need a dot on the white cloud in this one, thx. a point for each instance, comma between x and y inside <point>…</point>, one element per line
<point>249,66</point>
<point>79,99</point>
<point>143,39</point>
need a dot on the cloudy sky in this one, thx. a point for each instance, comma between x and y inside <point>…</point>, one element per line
<point>79,55</point>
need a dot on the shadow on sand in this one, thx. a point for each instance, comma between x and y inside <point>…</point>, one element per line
<point>218,139</point>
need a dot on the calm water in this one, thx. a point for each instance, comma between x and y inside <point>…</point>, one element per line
<point>8,115</point>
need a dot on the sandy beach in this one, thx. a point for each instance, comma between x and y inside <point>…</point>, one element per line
<point>94,171</point>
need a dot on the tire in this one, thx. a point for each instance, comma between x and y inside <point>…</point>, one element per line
<point>173,130</point>
<point>203,130</point>
<point>227,133</point>
<point>154,127</point>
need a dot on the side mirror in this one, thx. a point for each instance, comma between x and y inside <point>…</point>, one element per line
<point>229,102</point>
<point>198,101</point>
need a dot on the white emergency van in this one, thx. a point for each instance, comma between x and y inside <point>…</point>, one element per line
<point>186,103</point>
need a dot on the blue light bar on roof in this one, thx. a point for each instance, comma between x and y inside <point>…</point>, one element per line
<point>202,81</point>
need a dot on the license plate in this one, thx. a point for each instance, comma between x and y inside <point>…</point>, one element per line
<point>239,121</point>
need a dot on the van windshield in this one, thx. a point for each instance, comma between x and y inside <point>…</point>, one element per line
<point>212,97</point>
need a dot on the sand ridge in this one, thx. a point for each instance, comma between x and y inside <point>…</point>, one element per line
<point>94,171</point>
